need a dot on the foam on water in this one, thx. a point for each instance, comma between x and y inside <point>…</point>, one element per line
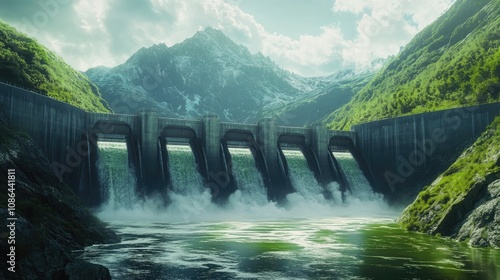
<point>333,248</point>
<point>308,238</point>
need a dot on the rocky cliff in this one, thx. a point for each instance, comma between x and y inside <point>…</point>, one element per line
<point>51,222</point>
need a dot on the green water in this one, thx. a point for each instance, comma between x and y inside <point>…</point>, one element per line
<point>331,248</point>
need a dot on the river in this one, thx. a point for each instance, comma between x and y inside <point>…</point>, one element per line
<point>325,248</point>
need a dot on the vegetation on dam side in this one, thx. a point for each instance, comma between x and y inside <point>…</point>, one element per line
<point>464,202</point>
<point>26,63</point>
<point>453,62</point>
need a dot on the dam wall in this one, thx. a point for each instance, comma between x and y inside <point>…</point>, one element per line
<point>402,151</point>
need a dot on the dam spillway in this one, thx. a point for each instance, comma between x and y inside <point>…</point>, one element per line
<point>301,177</point>
<point>183,171</point>
<point>358,183</point>
<point>71,137</point>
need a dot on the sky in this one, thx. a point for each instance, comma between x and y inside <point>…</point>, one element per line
<point>310,38</point>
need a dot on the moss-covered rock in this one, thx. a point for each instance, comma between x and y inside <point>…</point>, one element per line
<point>482,225</point>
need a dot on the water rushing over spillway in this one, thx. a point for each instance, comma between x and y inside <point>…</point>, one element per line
<point>190,200</point>
<point>184,176</point>
<point>251,189</point>
<point>118,181</point>
<point>302,177</point>
<point>188,196</point>
<point>358,184</point>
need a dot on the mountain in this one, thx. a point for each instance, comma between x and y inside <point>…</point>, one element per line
<point>455,61</point>
<point>26,63</point>
<point>207,73</point>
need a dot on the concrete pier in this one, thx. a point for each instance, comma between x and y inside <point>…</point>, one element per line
<point>148,133</point>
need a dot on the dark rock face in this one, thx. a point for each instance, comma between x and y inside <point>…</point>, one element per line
<point>482,225</point>
<point>458,211</point>
<point>476,217</point>
<point>51,221</point>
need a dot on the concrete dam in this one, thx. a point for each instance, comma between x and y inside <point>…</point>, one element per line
<point>70,138</point>
<point>75,143</point>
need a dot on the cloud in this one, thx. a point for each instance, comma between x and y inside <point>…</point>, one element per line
<point>307,55</point>
<point>88,33</point>
<point>386,26</point>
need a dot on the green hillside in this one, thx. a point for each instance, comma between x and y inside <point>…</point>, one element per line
<point>453,62</point>
<point>26,63</point>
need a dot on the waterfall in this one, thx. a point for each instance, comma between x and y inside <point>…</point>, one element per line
<point>359,185</point>
<point>302,177</point>
<point>247,176</point>
<point>117,180</point>
<point>188,195</point>
<point>182,167</point>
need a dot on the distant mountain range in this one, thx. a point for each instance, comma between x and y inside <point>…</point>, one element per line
<point>209,73</point>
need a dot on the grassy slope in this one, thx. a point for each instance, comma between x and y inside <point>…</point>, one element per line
<point>455,61</point>
<point>477,163</point>
<point>26,63</point>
